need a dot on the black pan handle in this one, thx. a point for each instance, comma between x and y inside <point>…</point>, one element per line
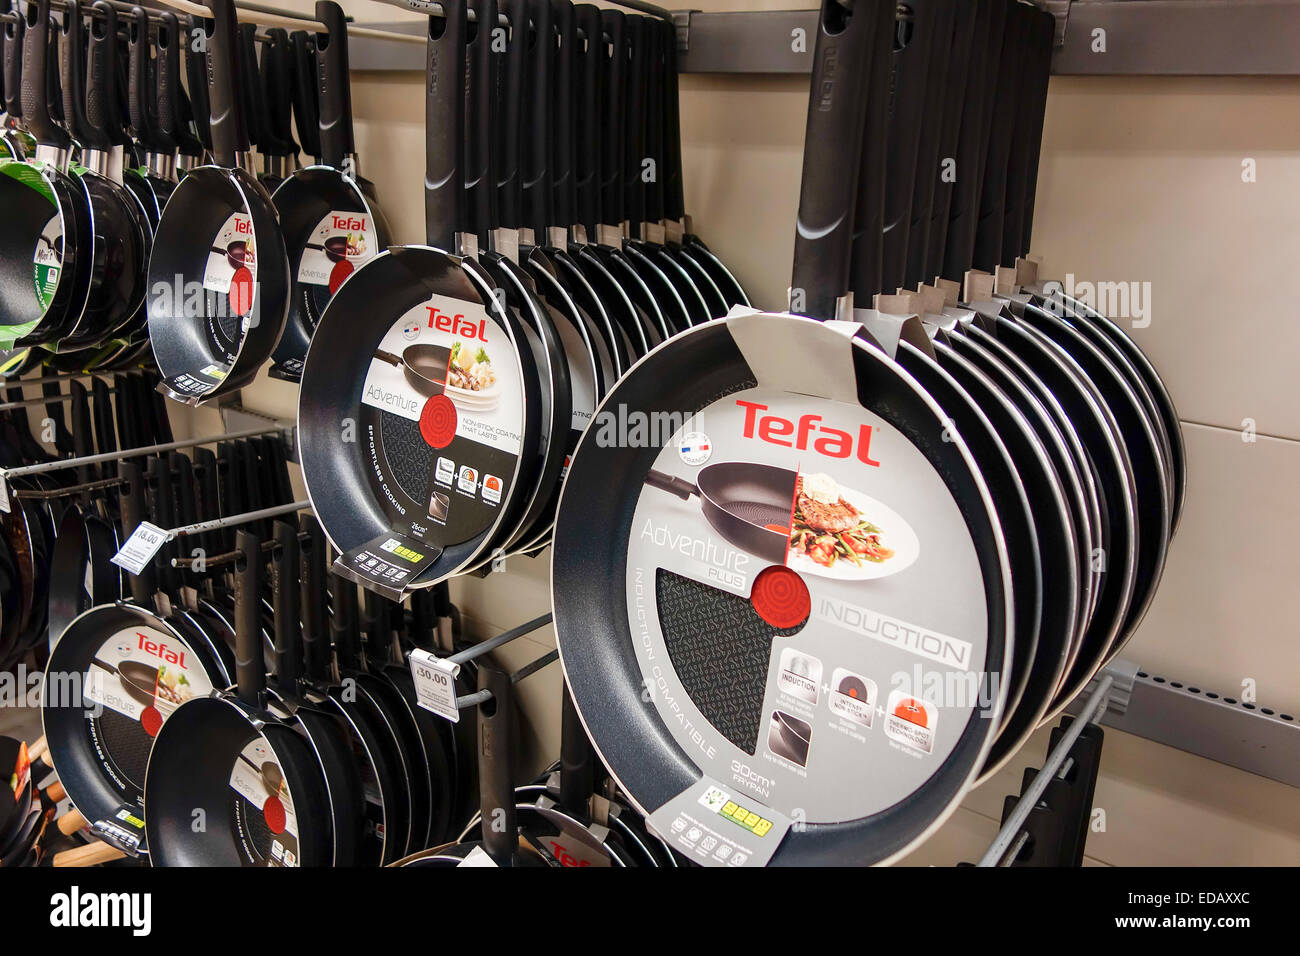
<point>103,102</point>
<point>586,157</point>
<point>193,41</point>
<point>142,92</point>
<point>389,357</point>
<point>13,65</point>
<point>1040,75</point>
<point>187,506</point>
<point>79,414</point>
<point>143,585</point>
<point>253,98</point>
<point>36,104</point>
<point>444,119</point>
<point>988,232</point>
<point>562,176</point>
<point>671,169</point>
<point>277,134</point>
<point>611,132</point>
<point>536,159</point>
<point>225,85</point>
<point>510,110</point>
<point>633,121</point>
<point>496,747</point>
<point>654,119</point>
<point>333,87</point>
<point>832,144</point>
<point>577,762</point>
<point>172,119</point>
<point>481,168</point>
<point>73,64</point>
<point>288,635</point>
<point>314,598</point>
<point>306,111</point>
<point>865,275</point>
<point>344,626</point>
<point>250,666</point>
<point>164,506</point>
<point>674,486</point>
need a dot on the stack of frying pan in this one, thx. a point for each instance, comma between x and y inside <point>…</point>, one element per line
<point>435,434</point>
<point>883,545</point>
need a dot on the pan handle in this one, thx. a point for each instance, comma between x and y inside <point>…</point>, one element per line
<point>336,138</point>
<point>866,278</point>
<point>13,66</point>
<point>288,636</point>
<point>481,168</point>
<point>535,160</point>
<point>103,99</point>
<point>250,673</point>
<point>314,599</point>
<point>388,357</point>
<point>225,85</point>
<point>35,84</point>
<point>444,122</point>
<point>586,160</point>
<point>143,585</point>
<point>674,486</point>
<point>832,144</point>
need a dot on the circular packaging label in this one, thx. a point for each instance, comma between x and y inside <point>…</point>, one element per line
<point>806,603</point>
<point>138,677</point>
<point>264,819</point>
<point>442,415</point>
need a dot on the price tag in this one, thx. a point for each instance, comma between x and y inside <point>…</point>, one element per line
<point>4,495</point>
<point>435,684</point>
<point>477,857</point>
<point>140,548</point>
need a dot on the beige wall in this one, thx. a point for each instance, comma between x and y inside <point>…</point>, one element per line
<point>1141,180</point>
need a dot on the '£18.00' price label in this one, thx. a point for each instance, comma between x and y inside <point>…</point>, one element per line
<point>140,548</point>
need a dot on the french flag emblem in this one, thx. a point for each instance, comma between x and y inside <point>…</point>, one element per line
<point>688,449</point>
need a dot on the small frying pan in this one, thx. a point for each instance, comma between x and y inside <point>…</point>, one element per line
<point>221,349</point>
<point>424,366</point>
<point>748,504</point>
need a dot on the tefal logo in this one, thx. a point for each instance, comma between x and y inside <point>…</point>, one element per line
<point>350,223</point>
<point>160,650</point>
<point>244,227</point>
<point>457,324</point>
<point>831,442</point>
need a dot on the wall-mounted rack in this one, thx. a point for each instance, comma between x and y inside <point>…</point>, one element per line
<point>1137,38</point>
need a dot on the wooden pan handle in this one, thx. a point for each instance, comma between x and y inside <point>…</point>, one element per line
<point>92,854</point>
<point>71,822</point>
<point>55,792</point>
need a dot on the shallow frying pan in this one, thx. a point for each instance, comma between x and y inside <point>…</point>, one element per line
<point>256,780</point>
<point>47,210</point>
<point>749,504</point>
<point>671,600</point>
<point>332,223</point>
<point>221,348</point>
<point>100,732</point>
<point>419,519</point>
<point>423,366</point>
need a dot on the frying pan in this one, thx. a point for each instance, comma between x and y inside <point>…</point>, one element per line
<point>423,366</point>
<point>357,502</point>
<point>370,745</point>
<point>323,732</point>
<point>196,758</point>
<point>600,646</point>
<point>219,350</point>
<point>748,504</point>
<point>121,234</point>
<point>314,200</point>
<point>101,751</point>
<point>48,209</point>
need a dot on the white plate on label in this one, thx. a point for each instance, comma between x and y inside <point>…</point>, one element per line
<point>895,534</point>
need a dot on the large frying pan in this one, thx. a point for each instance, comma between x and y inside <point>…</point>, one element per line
<point>427,295</point>
<point>327,211</point>
<point>651,600</point>
<point>243,309</point>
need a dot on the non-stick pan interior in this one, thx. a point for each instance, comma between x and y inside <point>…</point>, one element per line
<point>33,227</point>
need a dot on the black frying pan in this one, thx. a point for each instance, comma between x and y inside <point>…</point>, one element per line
<point>221,349</point>
<point>748,504</point>
<point>357,502</point>
<point>324,198</point>
<point>277,816</point>
<point>424,366</point>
